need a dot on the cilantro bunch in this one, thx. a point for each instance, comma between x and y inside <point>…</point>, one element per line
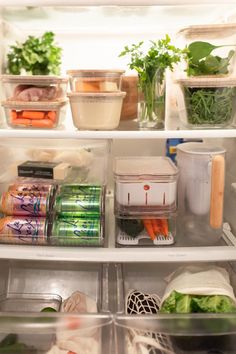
<point>36,56</point>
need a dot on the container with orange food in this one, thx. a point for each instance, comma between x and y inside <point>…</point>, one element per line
<point>95,80</point>
<point>34,115</point>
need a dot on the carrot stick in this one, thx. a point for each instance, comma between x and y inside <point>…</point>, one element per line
<point>149,228</point>
<point>164,227</point>
<point>21,122</point>
<point>156,227</point>
<point>33,114</point>
<point>42,123</point>
<point>52,115</point>
<point>13,114</point>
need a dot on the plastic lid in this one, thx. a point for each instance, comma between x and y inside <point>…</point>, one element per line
<point>200,148</point>
<point>217,31</point>
<point>34,105</point>
<point>208,81</point>
<point>97,73</point>
<point>34,79</point>
<point>100,94</point>
<point>136,166</point>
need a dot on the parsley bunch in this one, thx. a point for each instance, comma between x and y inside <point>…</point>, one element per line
<point>36,56</point>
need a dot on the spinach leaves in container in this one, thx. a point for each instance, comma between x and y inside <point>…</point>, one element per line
<point>209,93</point>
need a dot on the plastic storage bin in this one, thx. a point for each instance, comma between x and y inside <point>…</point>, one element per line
<point>34,115</point>
<point>144,186</point>
<point>95,80</point>
<point>206,102</point>
<point>146,232</point>
<point>34,88</point>
<point>84,328</point>
<point>144,330</point>
<point>96,111</point>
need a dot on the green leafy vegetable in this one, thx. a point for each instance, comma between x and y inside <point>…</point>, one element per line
<point>151,68</point>
<point>36,56</point>
<point>184,303</point>
<point>209,106</point>
<point>202,62</point>
<point>132,227</point>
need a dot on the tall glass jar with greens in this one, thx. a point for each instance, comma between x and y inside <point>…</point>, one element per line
<point>151,67</point>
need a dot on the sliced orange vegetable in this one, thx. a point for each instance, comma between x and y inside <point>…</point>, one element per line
<point>42,123</point>
<point>33,114</point>
<point>23,122</point>
<point>13,114</point>
<point>88,86</point>
<point>156,227</point>
<point>164,227</point>
<point>149,228</point>
<point>52,115</point>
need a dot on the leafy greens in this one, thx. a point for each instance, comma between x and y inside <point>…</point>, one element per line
<point>36,56</point>
<point>185,303</point>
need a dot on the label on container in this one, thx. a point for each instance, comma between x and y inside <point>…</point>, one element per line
<point>23,230</point>
<point>19,203</point>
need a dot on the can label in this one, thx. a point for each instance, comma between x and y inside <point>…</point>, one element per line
<point>81,203</point>
<point>31,187</point>
<point>23,230</point>
<point>76,231</point>
<point>19,203</point>
<point>80,189</point>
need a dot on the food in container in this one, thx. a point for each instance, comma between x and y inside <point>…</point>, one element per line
<point>23,230</point>
<point>34,88</point>
<point>142,231</point>
<point>33,114</point>
<point>130,103</point>
<point>145,185</point>
<point>95,80</point>
<point>98,110</point>
<point>206,102</point>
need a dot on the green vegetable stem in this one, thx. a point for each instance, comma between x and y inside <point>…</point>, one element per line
<point>151,69</point>
<point>36,56</point>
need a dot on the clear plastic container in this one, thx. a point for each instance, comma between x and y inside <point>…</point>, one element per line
<point>206,102</point>
<point>34,88</point>
<point>159,231</point>
<point>96,111</point>
<point>145,186</point>
<point>222,36</point>
<point>34,115</point>
<point>95,80</point>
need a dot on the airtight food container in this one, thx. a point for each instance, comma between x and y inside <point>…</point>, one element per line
<point>34,115</point>
<point>144,186</point>
<point>96,111</point>
<point>206,102</point>
<point>34,88</point>
<point>95,80</point>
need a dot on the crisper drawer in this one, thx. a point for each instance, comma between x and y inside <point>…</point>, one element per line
<point>49,308</point>
<point>166,333</point>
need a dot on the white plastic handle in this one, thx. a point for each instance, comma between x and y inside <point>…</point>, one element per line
<point>217,191</point>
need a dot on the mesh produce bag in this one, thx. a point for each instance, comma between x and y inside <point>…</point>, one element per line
<point>139,342</point>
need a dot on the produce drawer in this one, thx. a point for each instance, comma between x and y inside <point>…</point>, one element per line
<point>80,323</point>
<point>195,333</point>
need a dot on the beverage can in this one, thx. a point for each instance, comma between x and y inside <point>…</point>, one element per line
<point>69,232</point>
<point>79,204</point>
<point>23,230</point>
<point>80,189</point>
<point>24,203</point>
<point>32,188</point>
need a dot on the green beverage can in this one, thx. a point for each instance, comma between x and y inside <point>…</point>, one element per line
<point>79,205</point>
<point>75,232</point>
<point>80,189</point>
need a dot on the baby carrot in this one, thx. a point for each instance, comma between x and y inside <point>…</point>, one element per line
<point>21,122</point>
<point>149,228</point>
<point>52,115</point>
<point>164,227</point>
<point>156,227</point>
<point>13,114</point>
<point>42,123</point>
<point>33,114</point>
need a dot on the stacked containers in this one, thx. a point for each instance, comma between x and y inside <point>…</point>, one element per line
<point>79,219</point>
<point>26,208</point>
<point>34,101</point>
<point>95,98</point>
<point>206,80</point>
<point>145,200</point>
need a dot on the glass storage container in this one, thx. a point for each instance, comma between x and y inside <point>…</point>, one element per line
<point>144,186</point>
<point>34,88</point>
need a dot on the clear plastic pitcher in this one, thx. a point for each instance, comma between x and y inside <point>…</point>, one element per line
<point>200,192</point>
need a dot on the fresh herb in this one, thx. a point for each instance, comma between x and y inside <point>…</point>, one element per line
<point>209,105</point>
<point>151,68</point>
<point>185,303</point>
<point>202,62</point>
<point>36,56</point>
